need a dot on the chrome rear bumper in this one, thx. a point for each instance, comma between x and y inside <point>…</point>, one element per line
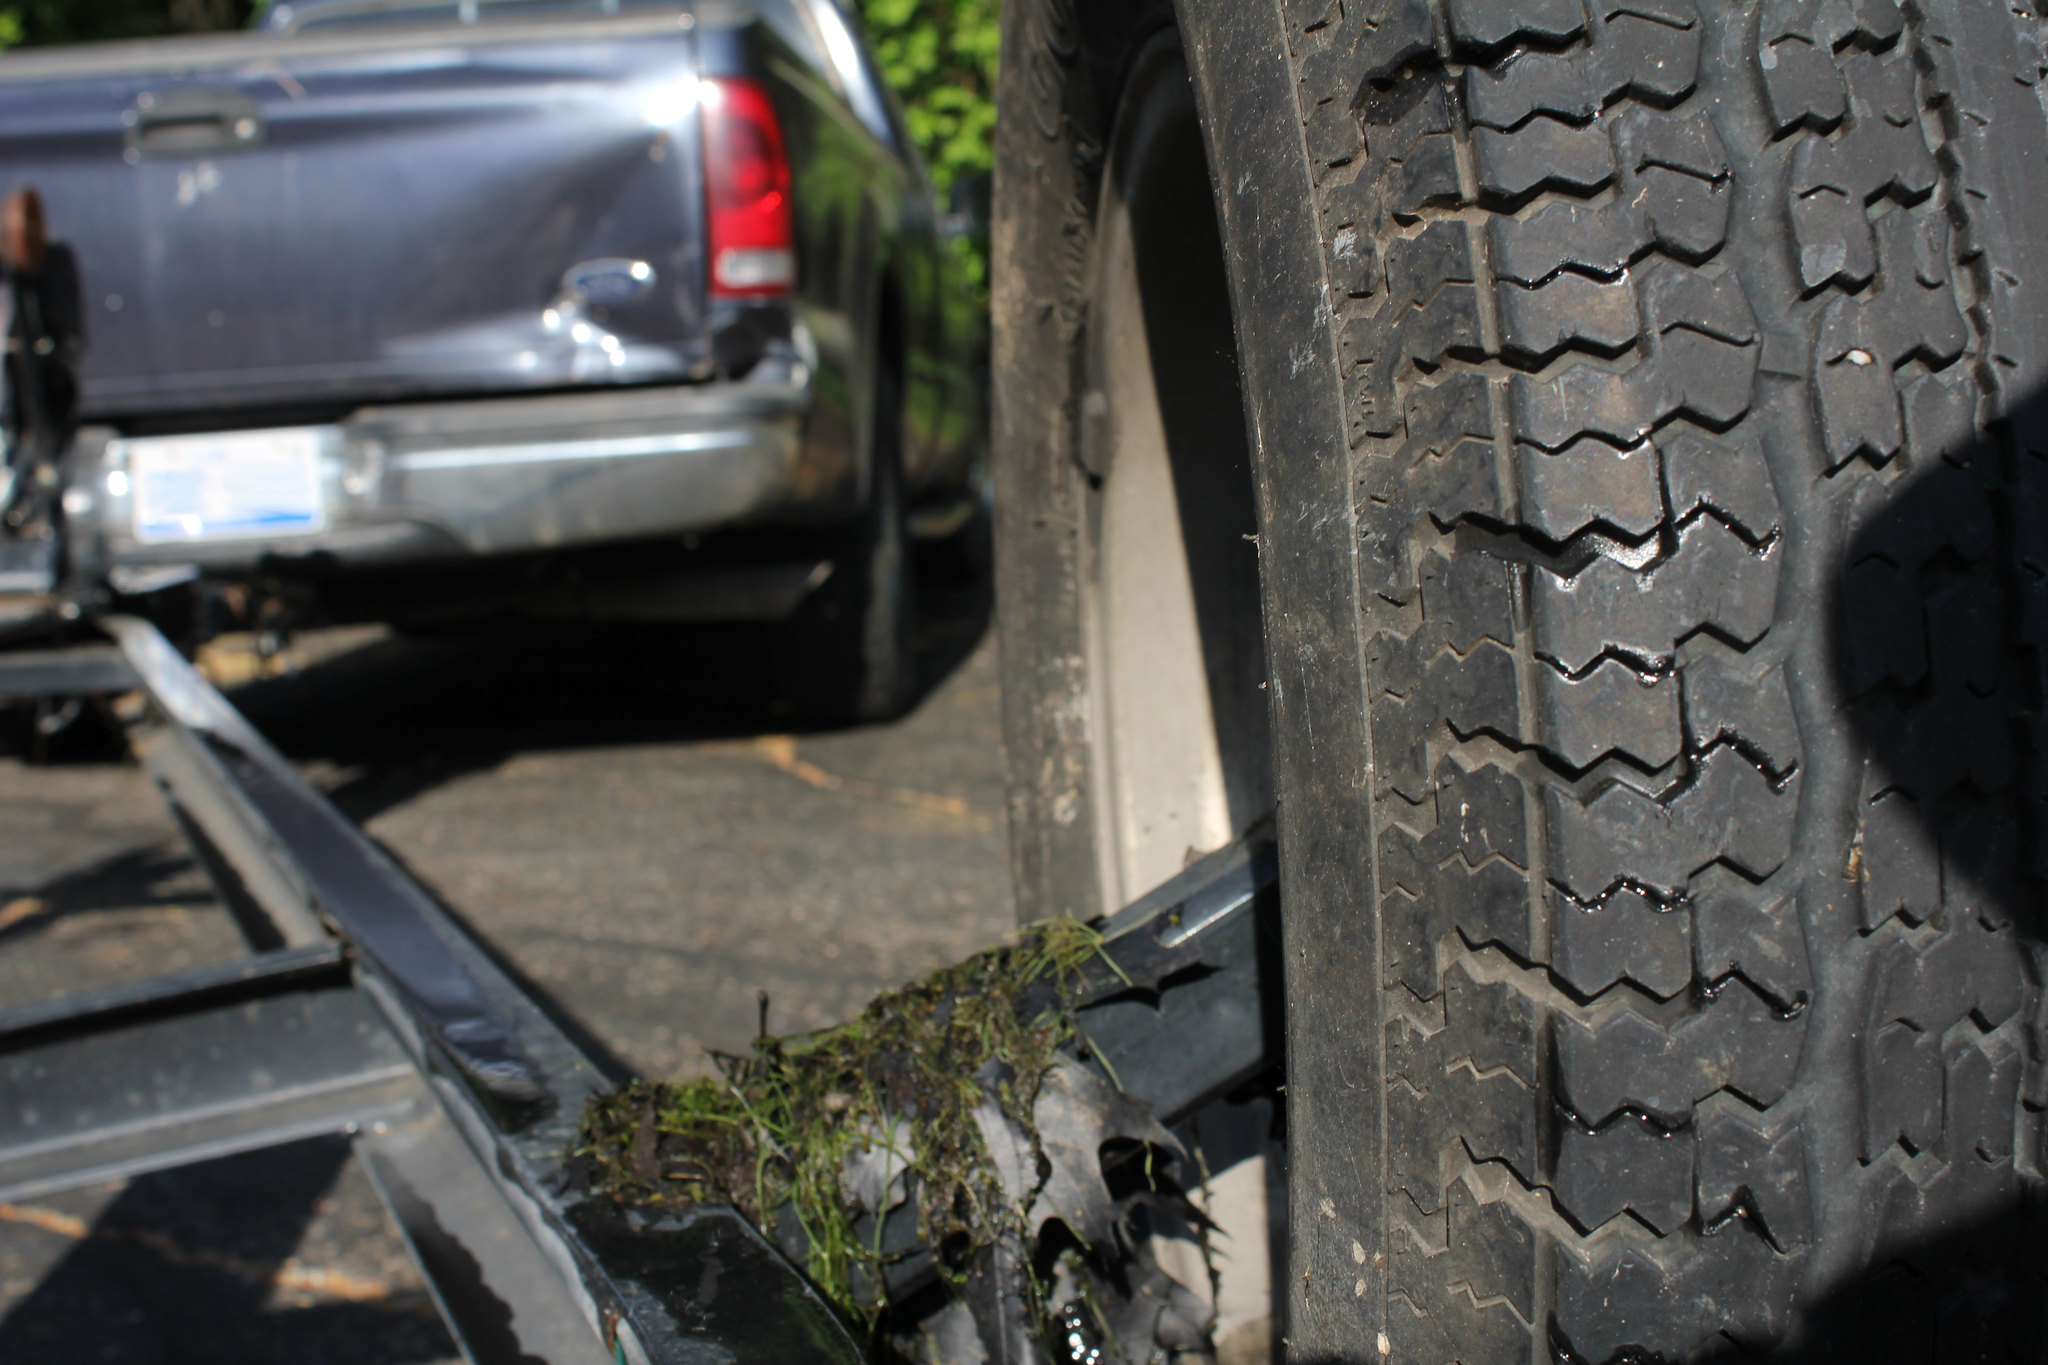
<point>442,481</point>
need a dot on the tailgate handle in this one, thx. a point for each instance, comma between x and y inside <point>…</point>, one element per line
<point>192,121</point>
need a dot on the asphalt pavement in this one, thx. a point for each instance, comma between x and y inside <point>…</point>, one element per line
<point>627,818</point>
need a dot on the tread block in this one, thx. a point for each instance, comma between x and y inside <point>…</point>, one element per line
<point>1543,154</point>
<point>1833,238</point>
<point>1975,1200</point>
<point>1465,1070</point>
<point>1480,813</point>
<point>1590,482</point>
<point>1472,596</point>
<point>1963,732</point>
<point>1732,814</point>
<point>1492,1254</point>
<point>1726,475</point>
<point>1626,937</point>
<point>1852,387</point>
<point>1400,741</point>
<point>1334,134</point>
<point>1683,142</point>
<point>1353,263</point>
<point>1797,42</point>
<point>1730,699</point>
<point>1902,1091</point>
<point>1915,310</point>
<point>1410,129</point>
<point>1489,24</point>
<point>1686,374</point>
<point>1479,1066</point>
<point>1391,34</point>
<point>1664,1303</point>
<point>1611,710</point>
<point>1477,692</point>
<point>1677,297</point>
<point>1600,239</point>
<point>1880,153</point>
<point>1473,693</point>
<point>1673,192</point>
<point>1437,416</point>
<point>1628,1062</point>
<point>1713,580</point>
<point>1940,415</point>
<point>1738,931</point>
<point>1463,484</point>
<point>1426,178</point>
<point>1745,1171</point>
<point>1655,59</point>
<point>1882,633</point>
<point>1980,862</point>
<point>1570,310</point>
<point>1924,991</point>
<point>1420,266</point>
<point>1686,216</point>
<point>1446,326</point>
<point>1429,1320</point>
<point>1428,900</point>
<point>1897,861</point>
<point>1628,1165</point>
<point>1981,1100</point>
<point>1949,512</point>
<point>1965,971</point>
<point>1489,1027</point>
<point>1801,83</point>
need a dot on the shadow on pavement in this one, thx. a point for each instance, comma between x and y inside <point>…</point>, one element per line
<point>409,713</point>
<point>195,1267</point>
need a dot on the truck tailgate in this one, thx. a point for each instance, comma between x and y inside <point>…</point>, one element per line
<point>268,221</point>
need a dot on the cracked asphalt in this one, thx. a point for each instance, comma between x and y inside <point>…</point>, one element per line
<point>626,817</point>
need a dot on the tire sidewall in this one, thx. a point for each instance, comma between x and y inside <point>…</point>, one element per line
<point>1051,130</point>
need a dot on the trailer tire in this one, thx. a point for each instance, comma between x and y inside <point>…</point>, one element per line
<point>1650,459</point>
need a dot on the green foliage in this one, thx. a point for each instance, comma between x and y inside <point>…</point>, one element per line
<point>34,23</point>
<point>940,58</point>
<point>775,1135</point>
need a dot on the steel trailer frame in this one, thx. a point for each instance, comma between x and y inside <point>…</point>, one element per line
<point>365,1009</point>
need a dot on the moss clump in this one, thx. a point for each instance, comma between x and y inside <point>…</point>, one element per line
<point>779,1133</point>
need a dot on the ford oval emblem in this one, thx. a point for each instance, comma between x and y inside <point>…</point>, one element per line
<point>612,279</point>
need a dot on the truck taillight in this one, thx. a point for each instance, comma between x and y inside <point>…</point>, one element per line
<point>746,191</point>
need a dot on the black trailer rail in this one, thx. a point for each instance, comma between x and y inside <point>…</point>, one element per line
<point>364,1009</point>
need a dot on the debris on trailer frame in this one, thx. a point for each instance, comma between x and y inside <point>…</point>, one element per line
<point>955,1117</point>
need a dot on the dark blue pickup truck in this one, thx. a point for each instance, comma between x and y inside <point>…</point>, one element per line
<point>426,310</point>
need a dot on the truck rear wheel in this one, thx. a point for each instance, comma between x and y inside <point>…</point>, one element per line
<point>847,656</point>
<point>1646,438</point>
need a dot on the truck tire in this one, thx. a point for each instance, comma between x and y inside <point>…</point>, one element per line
<point>1646,429</point>
<point>847,656</point>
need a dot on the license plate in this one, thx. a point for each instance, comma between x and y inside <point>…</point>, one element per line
<point>227,485</point>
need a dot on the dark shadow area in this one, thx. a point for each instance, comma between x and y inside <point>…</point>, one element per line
<point>193,1267</point>
<point>411,712</point>
<point>1940,635</point>
<point>130,880</point>
<point>1189,330</point>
